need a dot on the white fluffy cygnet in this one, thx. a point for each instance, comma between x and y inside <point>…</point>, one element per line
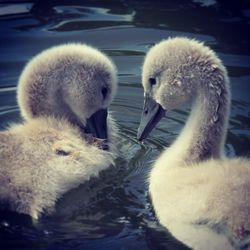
<point>198,194</point>
<point>63,94</point>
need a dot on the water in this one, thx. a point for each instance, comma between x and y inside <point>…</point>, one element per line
<point>114,210</point>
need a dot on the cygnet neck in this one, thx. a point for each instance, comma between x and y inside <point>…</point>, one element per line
<point>203,136</point>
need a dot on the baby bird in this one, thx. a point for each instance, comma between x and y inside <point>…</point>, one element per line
<point>67,136</point>
<point>198,194</point>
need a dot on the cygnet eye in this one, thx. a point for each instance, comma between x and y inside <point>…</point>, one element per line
<point>61,152</point>
<point>152,81</point>
<point>104,92</point>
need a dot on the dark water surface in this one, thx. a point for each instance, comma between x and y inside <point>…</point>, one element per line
<point>114,210</point>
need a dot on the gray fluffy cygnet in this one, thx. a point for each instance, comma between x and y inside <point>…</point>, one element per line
<point>63,94</point>
<point>199,195</point>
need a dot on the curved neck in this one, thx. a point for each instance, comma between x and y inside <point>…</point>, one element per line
<point>203,136</point>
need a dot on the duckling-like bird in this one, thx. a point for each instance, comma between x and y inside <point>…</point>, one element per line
<point>201,197</point>
<point>63,94</point>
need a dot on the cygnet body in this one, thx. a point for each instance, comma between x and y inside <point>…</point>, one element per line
<point>63,94</point>
<point>198,194</point>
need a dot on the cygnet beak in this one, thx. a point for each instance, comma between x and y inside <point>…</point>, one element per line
<point>97,126</point>
<point>151,115</point>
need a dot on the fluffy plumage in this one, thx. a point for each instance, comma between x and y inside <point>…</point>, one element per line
<point>201,197</point>
<point>50,153</point>
<point>67,81</point>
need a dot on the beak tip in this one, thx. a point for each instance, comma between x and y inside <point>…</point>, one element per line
<point>140,137</point>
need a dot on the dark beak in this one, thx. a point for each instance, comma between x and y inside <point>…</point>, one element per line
<point>151,115</point>
<point>97,124</point>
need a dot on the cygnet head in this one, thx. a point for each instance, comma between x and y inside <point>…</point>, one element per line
<point>72,81</point>
<point>174,72</point>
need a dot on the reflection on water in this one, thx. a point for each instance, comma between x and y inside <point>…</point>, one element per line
<point>114,210</point>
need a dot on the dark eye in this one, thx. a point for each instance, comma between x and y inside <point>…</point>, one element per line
<point>152,81</point>
<point>61,152</point>
<point>104,92</point>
